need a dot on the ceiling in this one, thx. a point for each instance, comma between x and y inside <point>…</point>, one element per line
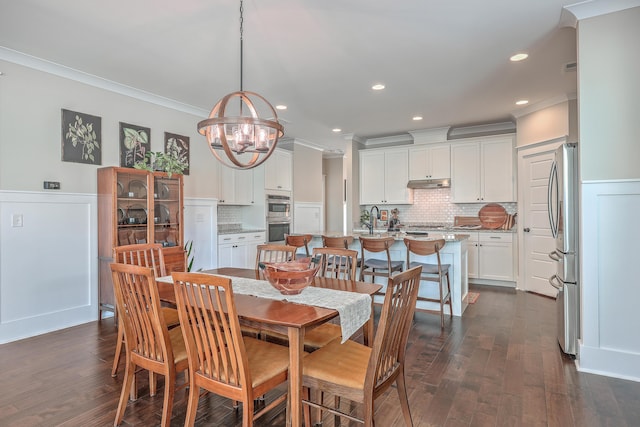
<point>447,61</point>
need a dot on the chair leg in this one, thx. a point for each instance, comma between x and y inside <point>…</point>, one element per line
<point>306,409</point>
<point>402,395</point>
<point>116,357</point>
<point>192,405</point>
<point>169,390</point>
<point>449,293</point>
<point>152,384</point>
<point>127,383</point>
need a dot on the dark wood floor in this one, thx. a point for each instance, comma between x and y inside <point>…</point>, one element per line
<point>499,365</point>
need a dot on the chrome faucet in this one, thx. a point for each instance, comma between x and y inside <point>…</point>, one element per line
<point>372,221</point>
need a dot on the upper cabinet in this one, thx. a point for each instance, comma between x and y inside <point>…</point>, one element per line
<point>278,171</point>
<point>236,186</point>
<point>482,170</point>
<point>430,161</point>
<point>384,176</point>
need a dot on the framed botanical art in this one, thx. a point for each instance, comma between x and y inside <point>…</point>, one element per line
<point>81,138</point>
<point>384,215</point>
<point>135,141</point>
<point>178,147</point>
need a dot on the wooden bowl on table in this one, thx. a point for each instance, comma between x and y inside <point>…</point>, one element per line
<point>290,278</point>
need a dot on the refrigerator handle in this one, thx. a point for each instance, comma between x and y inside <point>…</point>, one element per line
<point>553,181</point>
<point>552,281</point>
<point>554,255</point>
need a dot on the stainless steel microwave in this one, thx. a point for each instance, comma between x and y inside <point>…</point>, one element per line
<point>278,208</point>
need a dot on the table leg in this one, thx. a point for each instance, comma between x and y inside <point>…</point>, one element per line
<point>296,353</point>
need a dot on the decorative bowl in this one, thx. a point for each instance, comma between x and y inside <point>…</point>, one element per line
<point>290,278</point>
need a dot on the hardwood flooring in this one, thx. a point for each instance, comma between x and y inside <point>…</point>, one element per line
<point>499,365</point>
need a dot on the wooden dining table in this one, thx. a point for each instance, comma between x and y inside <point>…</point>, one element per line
<point>291,319</point>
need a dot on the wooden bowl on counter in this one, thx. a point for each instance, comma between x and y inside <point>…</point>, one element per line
<point>290,278</point>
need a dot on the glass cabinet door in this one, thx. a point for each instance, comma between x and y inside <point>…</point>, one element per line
<point>167,215</point>
<point>132,208</point>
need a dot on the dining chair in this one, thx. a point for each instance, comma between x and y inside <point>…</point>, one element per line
<point>299,241</point>
<point>378,267</point>
<point>271,252</point>
<point>360,373</point>
<point>149,343</point>
<point>145,255</point>
<point>337,262</point>
<point>432,272</point>
<point>221,359</point>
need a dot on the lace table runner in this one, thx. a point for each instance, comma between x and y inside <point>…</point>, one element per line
<point>354,308</point>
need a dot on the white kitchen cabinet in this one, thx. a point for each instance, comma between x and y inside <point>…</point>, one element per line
<point>239,250</point>
<point>430,162</point>
<point>278,171</point>
<point>235,186</point>
<point>491,256</point>
<point>482,170</point>
<point>384,176</point>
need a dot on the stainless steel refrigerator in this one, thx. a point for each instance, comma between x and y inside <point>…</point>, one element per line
<point>563,219</point>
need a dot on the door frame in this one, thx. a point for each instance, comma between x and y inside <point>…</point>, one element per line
<point>526,151</point>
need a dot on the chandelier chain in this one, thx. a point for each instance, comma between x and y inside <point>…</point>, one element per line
<point>241,40</point>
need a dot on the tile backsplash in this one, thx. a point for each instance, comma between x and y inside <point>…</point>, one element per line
<point>229,215</point>
<point>435,206</point>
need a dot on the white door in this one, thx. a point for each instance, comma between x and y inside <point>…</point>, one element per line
<point>537,242</point>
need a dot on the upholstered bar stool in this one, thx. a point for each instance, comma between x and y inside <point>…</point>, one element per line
<point>378,267</point>
<point>299,241</point>
<point>341,242</point>
<point>431,272</point>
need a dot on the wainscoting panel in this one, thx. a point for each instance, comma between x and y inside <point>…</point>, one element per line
<point>308,218</point>
<point>201,227</point>
<point>48,262</point>
<point>610,231</point>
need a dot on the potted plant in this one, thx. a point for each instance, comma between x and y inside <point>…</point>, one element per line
<point>163,162</point>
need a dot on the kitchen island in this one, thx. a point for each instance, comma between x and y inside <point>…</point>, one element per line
<point>454,253</point>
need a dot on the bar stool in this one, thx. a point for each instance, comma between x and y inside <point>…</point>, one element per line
<point>377,267</point>
<point>431,272</point>
<point>340,242</point>
<point>299,241</point>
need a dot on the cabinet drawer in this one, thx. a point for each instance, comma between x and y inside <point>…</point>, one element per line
<point>257,237</point>
<point>495,237</point>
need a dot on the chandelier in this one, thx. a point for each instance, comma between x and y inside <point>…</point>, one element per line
<point>242,129</point>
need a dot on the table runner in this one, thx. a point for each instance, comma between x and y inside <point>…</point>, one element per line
<point>354,308</point>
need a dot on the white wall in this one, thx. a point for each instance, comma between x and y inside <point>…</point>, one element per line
<point>48,267</point>
<point>609,89</point>
<point>334,197</point>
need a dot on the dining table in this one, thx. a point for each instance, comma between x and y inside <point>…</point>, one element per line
<point>286,317</point>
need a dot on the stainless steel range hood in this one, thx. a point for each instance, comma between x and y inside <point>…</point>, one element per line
<point>429,183</point>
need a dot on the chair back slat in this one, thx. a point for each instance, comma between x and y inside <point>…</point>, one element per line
<point>212,336</point>
<point>337,262</point>
<point>275,253</point>
<point>140,310</point>
<point>393,328</point>
<point>145,255</point>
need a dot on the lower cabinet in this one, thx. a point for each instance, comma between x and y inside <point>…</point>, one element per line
<point>239,250</point>
<point>491,256</point>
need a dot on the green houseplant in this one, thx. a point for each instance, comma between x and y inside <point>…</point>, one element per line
<point>159,161</point>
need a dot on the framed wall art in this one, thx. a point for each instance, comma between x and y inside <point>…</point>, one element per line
<point>178,147</point>
<point>384,215</point>
<point>135,141</point>
<point>81,138</point>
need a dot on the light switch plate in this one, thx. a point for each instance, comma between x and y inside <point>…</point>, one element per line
<point>16,220</point>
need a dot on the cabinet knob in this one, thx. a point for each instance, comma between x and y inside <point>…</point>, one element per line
<point>526,230</point>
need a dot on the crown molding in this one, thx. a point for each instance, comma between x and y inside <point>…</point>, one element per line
<point>45,66</point>
<point>573,13</point>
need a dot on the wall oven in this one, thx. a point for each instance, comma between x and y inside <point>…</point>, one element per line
<point>278,217</point>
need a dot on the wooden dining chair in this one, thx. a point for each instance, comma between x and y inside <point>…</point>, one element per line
<point>360,373</point>
<point>145,255</point>
<point>274,253</point>
<point>299,241</point>
<point>149,343</point>
<point>378,267</point>
<point>337,262</point>
<point>221,360</point>
<point>437,272</point>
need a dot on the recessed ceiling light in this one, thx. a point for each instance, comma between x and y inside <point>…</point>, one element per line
<point>416,118</point>
<point>377,86</point>
<point>522,102</point>
<point>281,107</point>
<point>336,130</point>
<point>519,57</point>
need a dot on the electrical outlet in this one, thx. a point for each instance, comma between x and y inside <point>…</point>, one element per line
<point>51,185</point>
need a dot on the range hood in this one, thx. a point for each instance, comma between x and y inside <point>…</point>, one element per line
<point>429,183</point>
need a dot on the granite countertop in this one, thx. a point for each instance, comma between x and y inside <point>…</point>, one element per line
<point>399,236</point>
<point>238,230</point>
